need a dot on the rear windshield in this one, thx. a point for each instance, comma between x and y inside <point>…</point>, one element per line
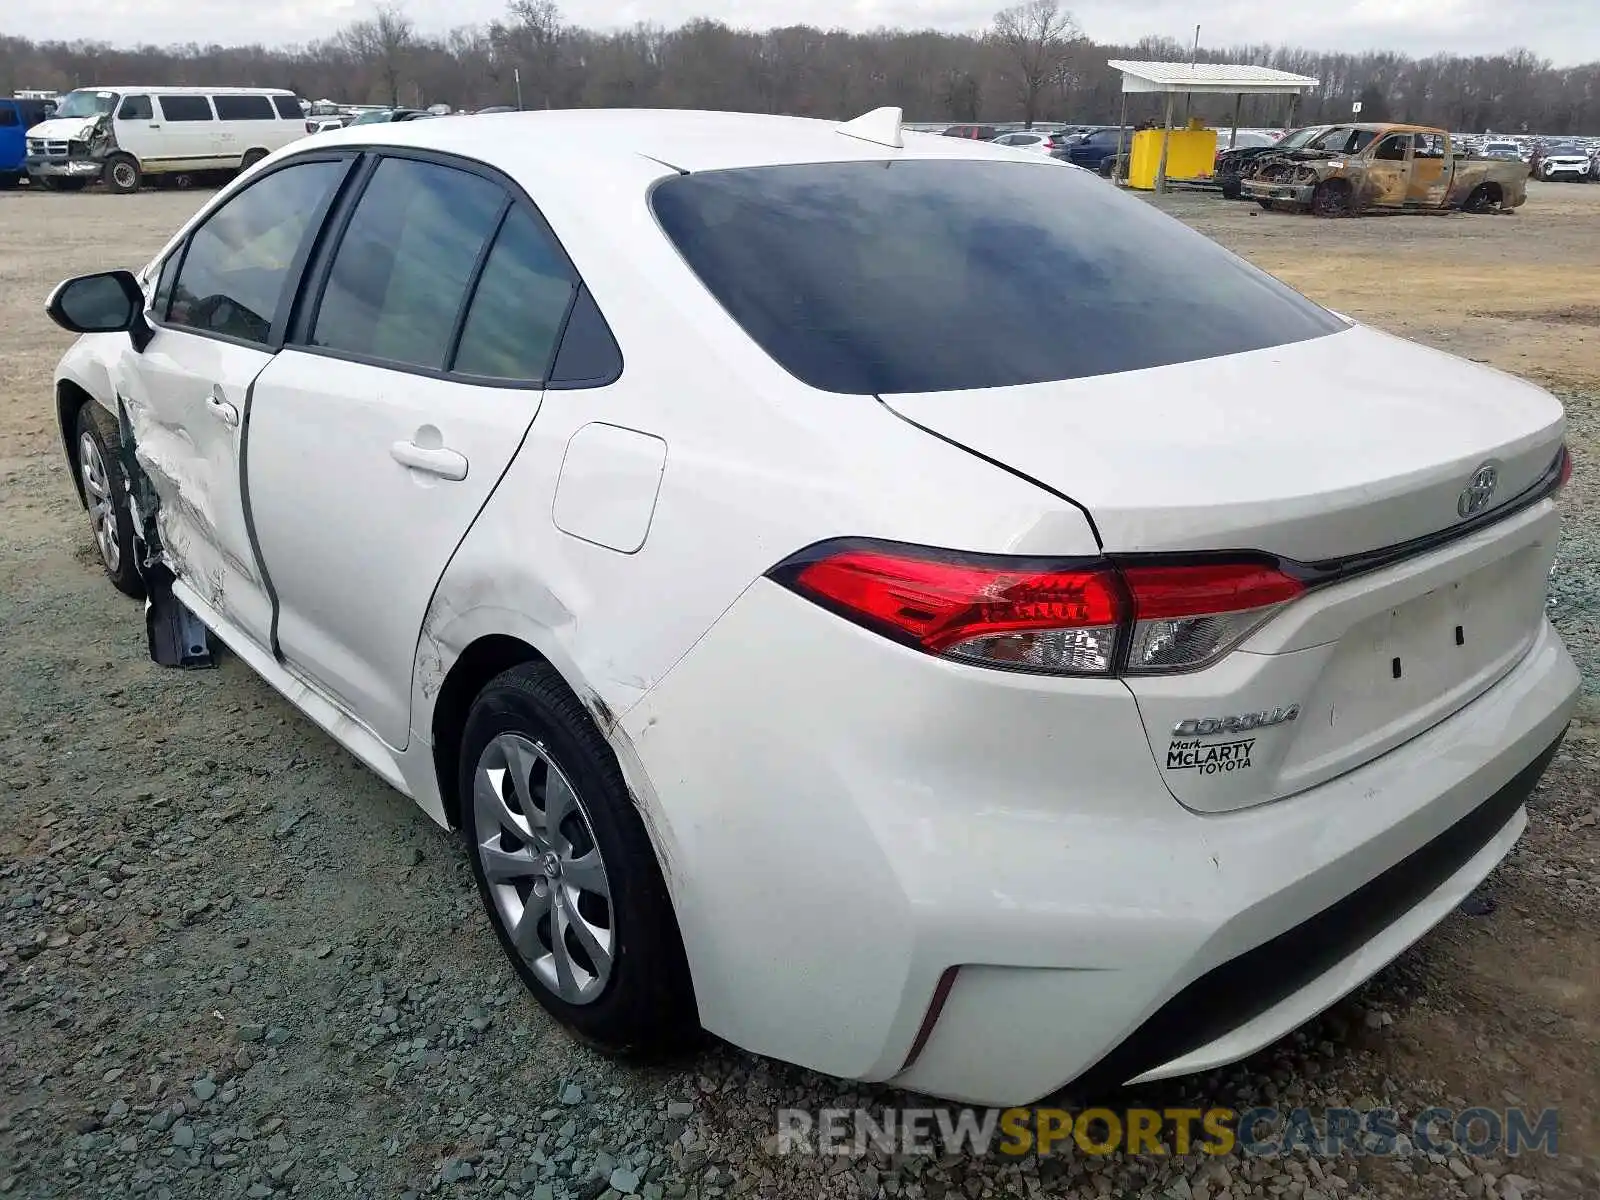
<point>937,275</point>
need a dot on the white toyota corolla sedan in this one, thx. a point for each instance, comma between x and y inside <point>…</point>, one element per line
<point>900,604</point>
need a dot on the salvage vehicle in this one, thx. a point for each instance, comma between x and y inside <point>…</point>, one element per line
<point>1352,169</point>
<point>810,644</point>
<point>123,135</point>
<point>1231,163</point>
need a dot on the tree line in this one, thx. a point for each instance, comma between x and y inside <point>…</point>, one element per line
<point>1032,63</point>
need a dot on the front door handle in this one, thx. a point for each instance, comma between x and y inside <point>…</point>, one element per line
<point>443,462</point>
<point>221,409</point>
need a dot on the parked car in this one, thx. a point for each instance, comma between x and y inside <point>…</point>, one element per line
<point>17,116</point>
<point>1098,148</point>
<point>1042,143</point>
<point>1563,161</point>
<point>383,116</point>
<point>1507,151</point>
<point>810,643</point>
<point>1230,164</point>
<point>122,135</point>
<point>1352,169</point>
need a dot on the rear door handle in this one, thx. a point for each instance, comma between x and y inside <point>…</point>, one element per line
<point>443,462</point>
<point>221,409</point>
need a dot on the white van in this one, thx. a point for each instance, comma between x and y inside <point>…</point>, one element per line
<point>123,134</point>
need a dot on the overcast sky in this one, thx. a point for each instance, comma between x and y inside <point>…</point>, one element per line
<point>1566,31</point>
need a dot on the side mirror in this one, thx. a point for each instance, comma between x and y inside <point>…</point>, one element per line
<point>107,302</point>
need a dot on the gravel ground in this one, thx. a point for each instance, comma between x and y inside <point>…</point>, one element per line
<point>232,963</point>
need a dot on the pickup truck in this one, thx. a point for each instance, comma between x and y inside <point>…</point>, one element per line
<point>1352,169</point>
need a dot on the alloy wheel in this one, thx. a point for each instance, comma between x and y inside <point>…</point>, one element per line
<point>536,846</point>
<point>102,502</point>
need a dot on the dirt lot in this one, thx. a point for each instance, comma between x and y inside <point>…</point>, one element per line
<point>232,963</point>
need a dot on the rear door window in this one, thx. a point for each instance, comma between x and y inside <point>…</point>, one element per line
<point>921,275</point>
<point>519,304</point>
<point>401,272</point>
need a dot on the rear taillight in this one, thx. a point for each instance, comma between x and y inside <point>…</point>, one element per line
<point>1066,617</point>
<point>1566,468</point>
<point>1186,615</point>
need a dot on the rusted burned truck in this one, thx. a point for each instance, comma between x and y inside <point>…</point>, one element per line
<point>1352,169</point>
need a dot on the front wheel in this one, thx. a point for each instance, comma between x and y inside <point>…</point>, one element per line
<point>105,494</point>
<point>566,871</point>
<point>1331,199</point>
<point>122,173</point>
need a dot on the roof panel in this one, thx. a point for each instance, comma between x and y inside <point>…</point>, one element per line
<point>1207,77</point>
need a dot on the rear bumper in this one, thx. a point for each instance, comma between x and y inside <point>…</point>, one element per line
<point>843,820</point>
<point>1289,193</point>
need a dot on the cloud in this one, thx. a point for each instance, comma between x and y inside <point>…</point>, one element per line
<point>1564,31</point>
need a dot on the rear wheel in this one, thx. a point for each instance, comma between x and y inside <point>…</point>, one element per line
<point>1331,199</point>
<point>566,871</point>
<point>1484,198</point>
<point>100,472</point>
<point>122,173</point>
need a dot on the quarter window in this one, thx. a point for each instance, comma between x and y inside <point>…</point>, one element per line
<point>518,307</point>
<point>136,108</point>
<point>185,108</point>
<point>242,108</point>
<point>288,108</point>
<point>237,264</point>
<point>402,270</point>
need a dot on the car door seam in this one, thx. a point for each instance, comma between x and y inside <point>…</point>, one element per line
<point>249,516</point>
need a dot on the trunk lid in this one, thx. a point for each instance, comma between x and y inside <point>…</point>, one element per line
<point>1313,450</point>
<point>1334,447</point>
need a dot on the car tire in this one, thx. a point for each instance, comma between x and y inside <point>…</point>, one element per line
<point>555,897</point>
<point>1331,199</point>
<point>105,493</point>
<point>1232,189</point>
<point>1266,205</point>
<point>122,174</point>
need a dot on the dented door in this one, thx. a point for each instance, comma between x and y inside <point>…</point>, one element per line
<point>186,399</point>
<point>218,314</point>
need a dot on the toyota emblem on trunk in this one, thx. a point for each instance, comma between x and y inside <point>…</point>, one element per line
<point>1475,496</point>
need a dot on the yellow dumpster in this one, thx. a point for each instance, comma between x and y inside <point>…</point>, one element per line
<point>1192,154</point>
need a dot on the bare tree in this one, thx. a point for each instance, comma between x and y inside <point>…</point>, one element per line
<point>1036,37</point>
<point>385,42</point>
<point>531,38</point>
<point>812,72</point>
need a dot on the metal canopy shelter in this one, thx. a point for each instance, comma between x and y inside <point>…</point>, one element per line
<point>1178,78</point>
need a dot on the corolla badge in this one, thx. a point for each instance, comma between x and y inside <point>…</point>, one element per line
<point>1235,723</point>
<point>1475,496</point>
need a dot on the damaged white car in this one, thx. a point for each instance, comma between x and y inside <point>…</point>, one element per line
<point>900,606</point>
